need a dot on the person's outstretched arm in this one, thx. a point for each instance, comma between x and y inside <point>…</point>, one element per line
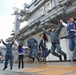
<point>3,42</point>
<point>16,43</point>
<point>58,30</point>
<point>13,42</point>
<point>63,23</point>
<point>36,42</point>
<point>46,31</point>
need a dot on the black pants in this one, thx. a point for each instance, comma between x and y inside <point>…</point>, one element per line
<point>20,59</point>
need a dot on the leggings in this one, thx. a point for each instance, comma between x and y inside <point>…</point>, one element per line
<point>20,59</point>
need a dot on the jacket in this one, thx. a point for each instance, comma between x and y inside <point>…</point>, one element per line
<point>54,36</point>
<point>42,45</point>
<point>71,28</point>
<point>32,43</point>
<point>8,48</point>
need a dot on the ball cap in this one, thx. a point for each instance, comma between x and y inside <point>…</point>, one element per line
<point>53,27</point>
<point>31,35</point>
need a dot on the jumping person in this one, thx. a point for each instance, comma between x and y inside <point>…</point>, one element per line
<point>54,36</point>
<point>9,54</point>
<point>20,55</point>
<point>42,45</point>
<point>33,46</point>
<point>71,29</point>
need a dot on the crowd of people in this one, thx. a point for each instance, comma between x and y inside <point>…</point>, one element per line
<point>34,46</point>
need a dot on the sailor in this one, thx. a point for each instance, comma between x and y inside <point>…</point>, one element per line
<point>54,36</point>
<point>33,46</point>
<point>9,54</point>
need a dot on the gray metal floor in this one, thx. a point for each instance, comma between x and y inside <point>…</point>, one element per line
<point>42,69</point>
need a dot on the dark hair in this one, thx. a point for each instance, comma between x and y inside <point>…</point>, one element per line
<point>19,44</point>
<point>74,19</point>
<point>44,36</point>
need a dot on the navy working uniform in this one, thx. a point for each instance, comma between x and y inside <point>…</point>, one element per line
<point>54,36</point>
<point>9,54</point>
<point>33,45</point>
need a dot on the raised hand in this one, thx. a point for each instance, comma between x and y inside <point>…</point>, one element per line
<point>61,21</point>
<point>1,39</point>
<point>43,29</point>
<point>13,39</point>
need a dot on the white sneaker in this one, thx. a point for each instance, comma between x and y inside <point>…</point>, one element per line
<point>18,70</point>
<point>22,70</point>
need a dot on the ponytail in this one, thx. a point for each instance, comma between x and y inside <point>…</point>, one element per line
<point>45,37</point>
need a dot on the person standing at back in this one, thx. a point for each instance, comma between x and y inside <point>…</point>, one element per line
<point>33,46</point>
<point>43,46</point>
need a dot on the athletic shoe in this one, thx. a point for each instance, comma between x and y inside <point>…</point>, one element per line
<point>4,67</point>
<point>18,70</point>
<point>65,57</point>
<point>22,70</point>
<point>60,57</point>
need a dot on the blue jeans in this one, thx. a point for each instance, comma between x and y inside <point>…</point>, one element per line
<point>32,53</point>
<point>57,46</point>
<point>54,46</point>
<point>72,43</point>
<point>44,53</point>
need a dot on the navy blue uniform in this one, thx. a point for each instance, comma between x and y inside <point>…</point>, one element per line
<point>9,54</point>
<point>54,36</point>
<point>33,44</point>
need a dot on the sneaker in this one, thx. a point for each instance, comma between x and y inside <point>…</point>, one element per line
<point>4,68</point>
<point>38,59</point>
<point>33,59</point>
<point>44,60</point>
<point>11,68</point>
<point>65,57</point>
<point>60,57</point>
<point>22,70</point>
<point>18,70</point>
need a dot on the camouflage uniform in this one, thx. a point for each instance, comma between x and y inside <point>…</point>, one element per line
<point>33,44</point>
<point>9,54</point>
